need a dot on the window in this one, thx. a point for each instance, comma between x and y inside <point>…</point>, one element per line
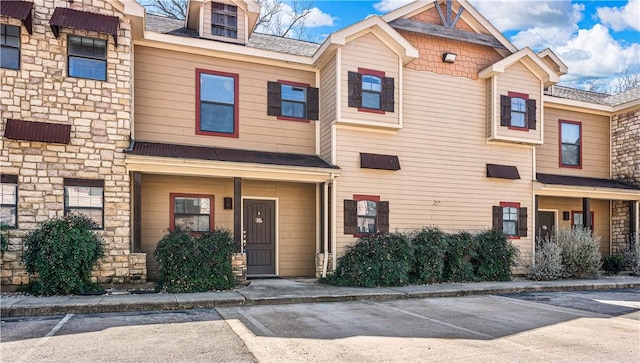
<point>365,215</point>
<point>10,46</point>
<point>217,106</point>
<point>85,197</point>
<point>518,112</point>
<point>87,58</point>
<point>224,20</point>
<point>577,219</point>
<point>9,200</point>
<point>191,212</point>
<point>293,101</point>
<point>570,144</point>
<point>510,218</point>
<point>371,91</point>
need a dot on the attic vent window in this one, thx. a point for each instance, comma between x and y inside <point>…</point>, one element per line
<point>224,20</point>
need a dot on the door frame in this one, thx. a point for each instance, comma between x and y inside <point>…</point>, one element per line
<point>555,221</point>
<point>277,227</point>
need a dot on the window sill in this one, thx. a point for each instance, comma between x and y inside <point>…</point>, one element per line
<point>513,237</point>
<point>358,235</point>
<point>289,118</point>
<point>518,128</point>
<point>219,134</point>
<point>371,110</point>
<point>570,166</point>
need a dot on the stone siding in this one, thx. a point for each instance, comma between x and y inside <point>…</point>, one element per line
<point>625,160</point>
<point>99,113</point>
<point>320,262</point>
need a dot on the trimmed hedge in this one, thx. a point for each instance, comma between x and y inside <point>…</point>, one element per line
<point>199,264</point>
<point>376,260</point>
<point>62,252</point>
<point>426,256</point>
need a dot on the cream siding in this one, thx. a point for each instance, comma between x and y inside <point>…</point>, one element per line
<point>601,216</point>
<point>327,106</point>
<point>368,52</point>
<point>517,78</point>
<point>595,144</point>
<point>165,96</point>
<point>443,156</point>
<point>296,215</point>
<point>207,22</point>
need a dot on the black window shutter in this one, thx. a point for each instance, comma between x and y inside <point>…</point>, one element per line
<point>497,218</point>
<point>531,114</point>
<point>350,216</point>
<point>522,222</point>
<point>505,110</point>
<point>274,101</point>
<point>388,89</point>
<point>313,103</point>
<point>355,89</point>
<point>383,217</point>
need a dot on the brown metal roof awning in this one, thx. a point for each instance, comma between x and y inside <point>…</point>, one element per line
<point>77,19</point>
<point>19,10</point>
<point>37,131</point>
<point>379,161</point>
<point>582,181</point>
<point>502,171</point>
<point>230,155</point>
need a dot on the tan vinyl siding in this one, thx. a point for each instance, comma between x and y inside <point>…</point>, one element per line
<point>517,78</point>
<point>600,209</point>
<point>368,52</point>
<point>296,224</point>
<point>296,244</point>
<point>207,21</point>
<point>595,144</point>
<point>327,106</point>
<point>443,156</point>
<point>165,96</point>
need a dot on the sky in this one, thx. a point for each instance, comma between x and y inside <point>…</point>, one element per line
<point>596,39</point>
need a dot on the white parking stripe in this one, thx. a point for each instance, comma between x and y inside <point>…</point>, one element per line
<point>263,329</point>
<point>542,306</point>
<point>54,330</point>
<point>436,321</point>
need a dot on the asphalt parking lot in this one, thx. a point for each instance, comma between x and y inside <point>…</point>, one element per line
<point>595,326</point>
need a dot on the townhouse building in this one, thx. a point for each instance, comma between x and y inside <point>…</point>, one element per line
<point>426,116</point>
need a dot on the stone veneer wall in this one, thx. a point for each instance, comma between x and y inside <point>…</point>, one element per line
<point>625,159</point>
<point>320,262</point>
<point>100,117</point>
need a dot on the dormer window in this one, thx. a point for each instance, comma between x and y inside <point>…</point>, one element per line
<point>517,111</point>
<point>224,20</point>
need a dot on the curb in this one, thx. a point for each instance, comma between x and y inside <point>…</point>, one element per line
<point>182,302</point>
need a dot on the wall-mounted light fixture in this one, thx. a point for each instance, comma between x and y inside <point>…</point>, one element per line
<point>449,57</point>
<point>228,203</point>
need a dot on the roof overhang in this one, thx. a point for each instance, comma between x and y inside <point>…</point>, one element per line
<point>224,169</point>
<point>84,20</point>
<point>377,27</point>
<point>554,61</point>
<point>470,15</point>
<point>570,191</point>
<point>21,10</point>
<point>530,59</point>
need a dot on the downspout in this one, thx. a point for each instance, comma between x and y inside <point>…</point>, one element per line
<point>325,237</point>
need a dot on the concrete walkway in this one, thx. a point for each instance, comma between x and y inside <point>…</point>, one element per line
<point>282,291</point>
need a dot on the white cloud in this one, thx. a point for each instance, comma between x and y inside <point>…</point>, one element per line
<point>387,5</point>
<point>523,14</point>
<point>317,18</point>
<point>626,17</point>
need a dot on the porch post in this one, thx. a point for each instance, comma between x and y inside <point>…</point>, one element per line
<point>586,213</point>
<point>237,214</point>
<point>137,211</point>
<point>632,220</point>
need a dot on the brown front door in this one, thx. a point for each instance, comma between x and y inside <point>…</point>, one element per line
<point>260,230</point>
<point>546,224</point>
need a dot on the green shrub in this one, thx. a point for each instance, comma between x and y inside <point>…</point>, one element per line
<point>580,252</point>
<point>429,249</point>
<point>461,251</point>
<point>197,264</point>
<point>4,239</point>
<point>377,260</point>
<point>632,256</point>
<point>548,261</point>
<point>62,252</point>
<point>612,265</point>
<point>494,257</point>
